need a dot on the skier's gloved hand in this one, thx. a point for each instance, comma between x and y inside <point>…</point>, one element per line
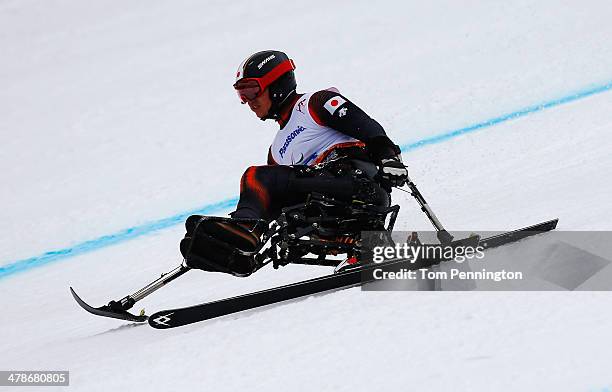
<point>394,171</point>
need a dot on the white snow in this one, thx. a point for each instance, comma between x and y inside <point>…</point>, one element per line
<point>113,115</point>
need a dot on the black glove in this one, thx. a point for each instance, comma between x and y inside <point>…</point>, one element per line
<point>393,171</point>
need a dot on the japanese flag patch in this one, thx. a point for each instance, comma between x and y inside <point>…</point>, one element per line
<point>334,103</point>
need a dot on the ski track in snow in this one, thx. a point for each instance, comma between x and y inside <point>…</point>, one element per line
<point>110,116</point>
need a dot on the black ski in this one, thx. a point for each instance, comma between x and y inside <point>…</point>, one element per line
<point>108,310</point>
<point>348,278</point>
<point>517,235</point>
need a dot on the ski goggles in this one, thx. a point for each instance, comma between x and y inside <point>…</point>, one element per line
<point>250,88</point>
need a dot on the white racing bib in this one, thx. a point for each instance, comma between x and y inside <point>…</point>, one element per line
<point>303,141</point>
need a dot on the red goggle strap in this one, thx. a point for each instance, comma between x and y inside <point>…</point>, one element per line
<point>276,72</point>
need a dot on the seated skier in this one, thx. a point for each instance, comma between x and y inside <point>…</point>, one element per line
<point>326,144</point>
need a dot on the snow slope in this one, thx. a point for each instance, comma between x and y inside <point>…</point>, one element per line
<point>112,117</point>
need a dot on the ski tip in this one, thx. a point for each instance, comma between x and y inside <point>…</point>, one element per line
<point>107,311</point>
<point>76,297</point>
<point>74,294</point>
<point>79,301</point>
<point>544,226</point>
<point>554,223</point>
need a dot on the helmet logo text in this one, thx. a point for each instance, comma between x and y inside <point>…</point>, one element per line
<point>265,61</point>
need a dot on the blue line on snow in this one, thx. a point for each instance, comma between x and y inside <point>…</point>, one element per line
<point>111,239</point>
<point>150,227</point>
<point>506,117</point>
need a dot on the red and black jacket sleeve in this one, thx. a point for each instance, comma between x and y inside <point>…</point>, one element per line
<point>349,119</point>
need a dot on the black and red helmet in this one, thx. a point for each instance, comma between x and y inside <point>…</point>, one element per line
<point>269,69</point>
